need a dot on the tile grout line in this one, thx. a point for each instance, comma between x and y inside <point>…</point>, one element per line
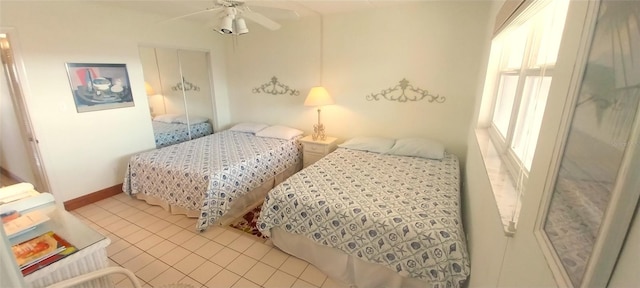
<point>145,251</point>
<point>166,239</point>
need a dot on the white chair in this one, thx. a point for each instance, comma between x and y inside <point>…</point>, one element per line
<point>84,278</point>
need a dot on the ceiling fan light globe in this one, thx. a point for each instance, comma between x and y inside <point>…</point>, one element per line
<point>241,26</point>
<point>241,32</point>
<point>226,27</point>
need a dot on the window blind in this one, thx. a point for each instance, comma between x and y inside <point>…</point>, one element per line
<point>510,10</point>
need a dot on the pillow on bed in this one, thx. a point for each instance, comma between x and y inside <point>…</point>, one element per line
<point>166,118</point>
<point>418,147</point>
<point>277,131</point>
<point>248,127</point>
<point>371,144</point>
<point>182,119</point>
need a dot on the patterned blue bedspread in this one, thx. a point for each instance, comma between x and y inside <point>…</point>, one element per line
<point>210,172</point>
<point>401,212</point>
<point>172,133</point>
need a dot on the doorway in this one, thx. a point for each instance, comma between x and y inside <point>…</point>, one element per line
<point>20,159</point>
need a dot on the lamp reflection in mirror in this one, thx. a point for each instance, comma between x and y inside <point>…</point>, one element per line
<point>150,92</point>
<point>318,96</point>
<point>149,89</point>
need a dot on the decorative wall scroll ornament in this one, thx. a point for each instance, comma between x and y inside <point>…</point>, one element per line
<point>188,86</point>
<point>275,88</point>
<point>401,96</point>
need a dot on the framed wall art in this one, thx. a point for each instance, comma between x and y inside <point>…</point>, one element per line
<point>99,86</point>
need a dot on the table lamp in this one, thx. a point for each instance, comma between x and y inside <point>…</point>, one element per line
<point>318,96</point>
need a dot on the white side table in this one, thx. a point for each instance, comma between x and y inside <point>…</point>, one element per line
<point>91,254</point>
<point>313,151</point>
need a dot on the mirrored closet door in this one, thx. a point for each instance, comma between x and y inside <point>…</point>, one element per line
<point>178,84</point>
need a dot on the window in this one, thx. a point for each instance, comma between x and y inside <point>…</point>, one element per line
<point>518,81</point>
<point>526,52</point>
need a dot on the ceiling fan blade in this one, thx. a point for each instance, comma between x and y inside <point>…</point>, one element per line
<point>261,19</point>
<point>210,9</point>
<point>214,20</point>
<point>276,13</point>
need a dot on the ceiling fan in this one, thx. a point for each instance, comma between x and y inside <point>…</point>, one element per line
<point>232,14</point>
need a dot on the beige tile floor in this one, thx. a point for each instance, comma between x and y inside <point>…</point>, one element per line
<point>162,249</point>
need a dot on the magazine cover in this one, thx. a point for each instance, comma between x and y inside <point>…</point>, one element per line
<point>41,251</point>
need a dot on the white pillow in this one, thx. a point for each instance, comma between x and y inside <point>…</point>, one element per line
<point>182,119</point>
<point>277,131</point>
<point>418,147</point>
<point>371,144</point>
<point>248,127</point>
<point>166,118</point>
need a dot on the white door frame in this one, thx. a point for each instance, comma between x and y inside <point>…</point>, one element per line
<point>16,78</point>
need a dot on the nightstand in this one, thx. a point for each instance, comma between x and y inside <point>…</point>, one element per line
<point>312,150</point>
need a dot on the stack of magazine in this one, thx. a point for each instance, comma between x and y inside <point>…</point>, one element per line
<point>16,224</point>
<point>41,251</point>
<point>17,192</point>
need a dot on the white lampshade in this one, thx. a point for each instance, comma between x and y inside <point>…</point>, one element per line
<point>318,96</point>
<point>226,27</point>
<point>241,27</point>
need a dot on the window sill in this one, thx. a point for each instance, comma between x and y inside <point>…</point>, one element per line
<point>502,184</point>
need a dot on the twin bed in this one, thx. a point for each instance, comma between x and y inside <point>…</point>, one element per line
<point>373,220</point>
<point>215,178</point>
<point>368,219</point>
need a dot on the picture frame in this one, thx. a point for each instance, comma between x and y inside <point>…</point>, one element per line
<point>97,86</point>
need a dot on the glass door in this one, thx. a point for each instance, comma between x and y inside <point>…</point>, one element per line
<point>197,91</point>
<point>180,96</point>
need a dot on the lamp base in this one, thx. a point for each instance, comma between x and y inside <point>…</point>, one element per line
<point>318,132</point>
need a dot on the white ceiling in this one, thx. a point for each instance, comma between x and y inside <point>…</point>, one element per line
<point>177,8</point>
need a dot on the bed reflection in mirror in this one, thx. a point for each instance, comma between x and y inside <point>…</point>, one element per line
<point>600,129</point>
<point>179,90</point>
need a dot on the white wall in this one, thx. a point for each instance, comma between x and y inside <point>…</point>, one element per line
<point>87,152</point>
<point>14,157</point>
<point>292,55</point>
<point>433,44</point>
<point>518,261</point>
